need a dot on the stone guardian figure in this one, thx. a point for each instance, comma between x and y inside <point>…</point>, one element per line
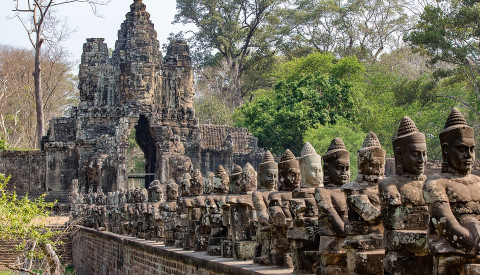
<point>364,229</point>
<point>332,209</point>
<point>279,209</point>
<point>404,211</point>
<point>304,234</point>
<point>267,178</point>
<point>453,199</point>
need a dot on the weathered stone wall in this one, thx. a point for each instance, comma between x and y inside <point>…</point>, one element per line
<point>8,255</point>
<point>27,170</point>
<point>97,252</point>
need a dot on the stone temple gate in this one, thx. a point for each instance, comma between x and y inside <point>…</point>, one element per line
<point>134,88</point>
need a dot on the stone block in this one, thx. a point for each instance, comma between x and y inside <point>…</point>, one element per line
<point>365,262</point>
<point>243,250</point>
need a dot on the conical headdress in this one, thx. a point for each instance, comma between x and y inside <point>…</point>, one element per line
<point>237,171</point>
<point>336,149</point>
<point>407,133</point>
<point>220,170</point>
<point>371,145</point>
<point>268,162</point>
<point>456,127</point>
<point>309,154</point>
<point>287,156</point>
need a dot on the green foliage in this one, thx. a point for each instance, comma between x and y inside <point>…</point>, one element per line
<point>449,32</point>
<point>320,137</point>
<point>136,160</point>
<point>210,110</point>
<point>3,144</point>
<point>23,220</point>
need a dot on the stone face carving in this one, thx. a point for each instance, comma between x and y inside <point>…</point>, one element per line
<point>233,190</point>
<point>214,213</point>
<point>242,217</point>
<point>169,215</point>
<point>364,229</point>
<point>267,178</point>
<point>304,234</point>
<point>332,208</point>
<point>453,199</point>
<point>279,209</point>
<point>404,211</point>
<point>189,214</point>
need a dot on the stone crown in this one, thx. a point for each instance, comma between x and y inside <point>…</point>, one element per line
<point>307,150</point>
<point>456,127</point>
<point>371,140</point>
<point>237,169</point>
<point>407,133</point>
<point>287,156</point>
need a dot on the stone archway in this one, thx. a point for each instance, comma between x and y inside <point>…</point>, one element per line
<point>147,143</point>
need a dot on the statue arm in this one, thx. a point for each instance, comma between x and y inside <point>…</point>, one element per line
<point>260,208</point>
<point>363,207</point>
<point>326,206</point>
<point>389,194</point>
<point>460,237</point>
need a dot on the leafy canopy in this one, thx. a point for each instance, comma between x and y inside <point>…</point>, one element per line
<point>23,219</point>
<point>311,90</point>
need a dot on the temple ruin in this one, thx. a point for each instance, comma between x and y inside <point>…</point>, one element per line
<point>136,88</point>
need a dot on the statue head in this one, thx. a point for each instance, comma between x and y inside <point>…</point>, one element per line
<point>336,163</point>
<point>172,190</point>
<point>310,167</point>
<point>235,179</point>
<point>221,181</point>
<point>371,157</point>
<point>196,187</point>
<point>185,185</point>
<point>289,172</point>
<point>248,181</point>
<point>155,193</point>
<point>208,183</point>
<point>267,174</point>
<point>410,149</point>
<point>458,144</point>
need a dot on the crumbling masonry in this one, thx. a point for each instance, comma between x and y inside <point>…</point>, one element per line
<point>134,88</point>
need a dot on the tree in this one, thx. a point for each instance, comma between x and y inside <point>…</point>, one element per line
<point>23,220</point>
<point>448,32</point>
<point>310,90</point>
<point>17,89</point>
<point>39,20</point>
<point>233,30</point>
<point>364,28</point>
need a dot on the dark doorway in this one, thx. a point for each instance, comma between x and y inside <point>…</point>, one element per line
<point>145,140</point>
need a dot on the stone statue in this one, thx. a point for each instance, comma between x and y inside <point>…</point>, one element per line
<point>214,203</point>
<point>453,199</point>
<point>267,177</point>
<point>404,211</point>
<point>364,229</point>
<point>242,217</point>
<point>155,193</point>
<point>233,190</point>
<point>304,235</point>
<point>189,214</point>
<point>279,209</point>
<point>332,209</point>
<point>202,227</point>
<point>169,213</point>
<point>208,183</point>
<point>184,188</point>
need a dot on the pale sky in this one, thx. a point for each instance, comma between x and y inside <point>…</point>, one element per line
<point>81,18</point>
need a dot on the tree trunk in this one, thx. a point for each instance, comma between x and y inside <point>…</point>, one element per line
<point>54,266</point>
<point>37,75</point>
